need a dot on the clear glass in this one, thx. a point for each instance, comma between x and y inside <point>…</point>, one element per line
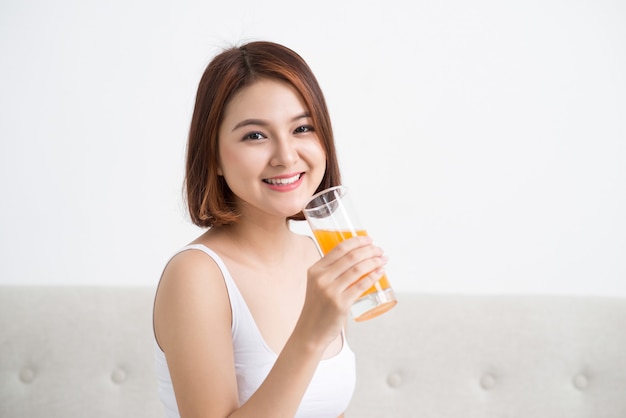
<point>333,218</point>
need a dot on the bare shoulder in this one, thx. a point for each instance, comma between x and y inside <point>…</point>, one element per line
<point>190,262</point>
<point>190,290</point>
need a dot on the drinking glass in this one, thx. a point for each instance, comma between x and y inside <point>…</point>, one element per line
<point>333,218</point>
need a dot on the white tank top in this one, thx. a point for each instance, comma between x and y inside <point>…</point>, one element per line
<point>329,392</point>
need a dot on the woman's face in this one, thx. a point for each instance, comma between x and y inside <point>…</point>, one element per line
<point>269,153</point>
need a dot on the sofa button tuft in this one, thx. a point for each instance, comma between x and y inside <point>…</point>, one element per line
<point>394,380</point>
<point>27,375</point>
<point>581,381</point>
<point>487,381</point>
<point>119,375</point>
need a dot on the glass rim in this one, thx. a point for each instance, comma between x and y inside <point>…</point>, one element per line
<point>317,195</point>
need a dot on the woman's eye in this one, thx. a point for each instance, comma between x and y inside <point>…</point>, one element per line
<point>254,136</point>
<point>304,128</point>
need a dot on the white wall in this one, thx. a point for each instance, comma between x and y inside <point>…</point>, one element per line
<point>491,133</point>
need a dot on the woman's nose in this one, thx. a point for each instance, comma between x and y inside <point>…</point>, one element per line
<point>285,153</point>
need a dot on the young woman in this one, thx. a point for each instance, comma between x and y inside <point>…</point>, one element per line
<point>248,317</point>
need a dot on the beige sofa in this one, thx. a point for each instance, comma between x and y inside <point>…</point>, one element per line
<point>87,352</point>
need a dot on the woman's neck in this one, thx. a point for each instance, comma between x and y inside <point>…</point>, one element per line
<point>267,243</point>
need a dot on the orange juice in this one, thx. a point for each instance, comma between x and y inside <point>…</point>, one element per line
<point>328,239</point>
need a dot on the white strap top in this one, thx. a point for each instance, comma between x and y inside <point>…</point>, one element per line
<point>329,392</point>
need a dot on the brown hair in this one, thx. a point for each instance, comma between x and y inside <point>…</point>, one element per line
<point>209,199</point>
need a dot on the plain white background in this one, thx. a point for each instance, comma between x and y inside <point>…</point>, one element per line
<point>485,141</point>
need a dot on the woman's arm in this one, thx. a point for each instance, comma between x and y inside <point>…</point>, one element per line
<point>333,286</point>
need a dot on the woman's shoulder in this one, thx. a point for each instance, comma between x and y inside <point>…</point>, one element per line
<point>191,290</point>
<point>193,260</point>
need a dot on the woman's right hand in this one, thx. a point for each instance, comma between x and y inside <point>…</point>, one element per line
<point>335,282</point>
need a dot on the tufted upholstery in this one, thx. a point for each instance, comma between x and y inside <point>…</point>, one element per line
<point>461,356</point>
<point>70,352</point>
<point>87,352</point>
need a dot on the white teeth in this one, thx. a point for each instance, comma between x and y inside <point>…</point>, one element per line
<point>284,181</point>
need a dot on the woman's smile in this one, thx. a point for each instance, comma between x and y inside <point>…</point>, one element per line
<point>284,182</point>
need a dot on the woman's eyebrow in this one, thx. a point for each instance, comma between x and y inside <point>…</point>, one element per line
<point>261,122</point>
<point>247,122</point>
<point>302,116</point>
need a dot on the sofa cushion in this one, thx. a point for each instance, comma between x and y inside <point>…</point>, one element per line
<point>465,356</point>
<point>77,352</point>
